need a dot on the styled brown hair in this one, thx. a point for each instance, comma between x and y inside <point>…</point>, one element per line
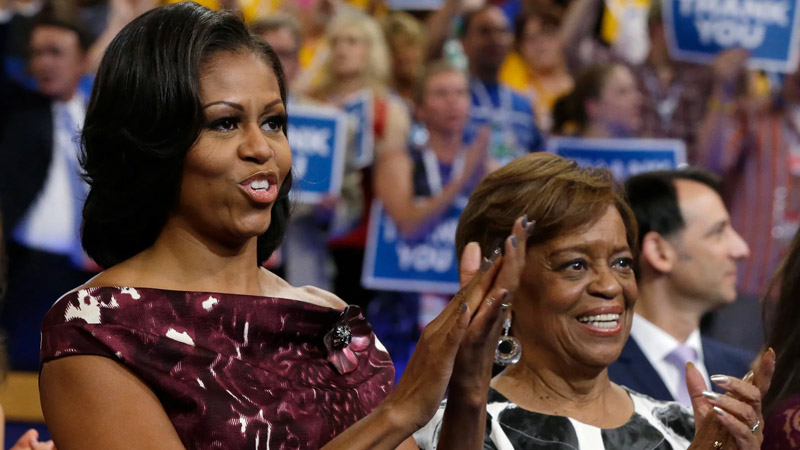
<point>554,191</point>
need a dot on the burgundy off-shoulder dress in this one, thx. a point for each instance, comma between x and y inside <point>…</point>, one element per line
<point>231,371</point>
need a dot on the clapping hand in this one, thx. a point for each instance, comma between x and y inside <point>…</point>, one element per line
<point>457,347</point>
<point>475,163</point>
<point>734,420</point>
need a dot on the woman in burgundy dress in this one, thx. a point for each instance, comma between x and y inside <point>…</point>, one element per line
<point>782,402</point>
<point>184,341</point>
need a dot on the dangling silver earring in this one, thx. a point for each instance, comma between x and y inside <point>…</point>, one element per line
<point>508,349</point>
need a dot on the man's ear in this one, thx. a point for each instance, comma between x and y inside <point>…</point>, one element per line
<point>658,253</point>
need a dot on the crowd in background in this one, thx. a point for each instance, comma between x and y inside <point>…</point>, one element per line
<point>455,93</point>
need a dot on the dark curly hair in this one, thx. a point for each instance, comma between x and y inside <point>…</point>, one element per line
<point>144,115</point>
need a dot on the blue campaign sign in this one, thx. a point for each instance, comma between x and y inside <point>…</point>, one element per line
<point>425,263</point>
<point>359,111</point>
<point>624,157</point>
<point>317,139</point>
<point>699,29</point>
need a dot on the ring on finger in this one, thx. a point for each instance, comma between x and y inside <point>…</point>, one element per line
<point>717,445</point>
<point>755,427</point>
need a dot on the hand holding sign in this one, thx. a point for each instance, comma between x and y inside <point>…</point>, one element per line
<point>697,30</point>
<point>730,71</point>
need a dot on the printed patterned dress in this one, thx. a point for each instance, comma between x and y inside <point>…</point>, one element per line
<point>655,425</point>
<point>782,427</point>
<point>231,371</point>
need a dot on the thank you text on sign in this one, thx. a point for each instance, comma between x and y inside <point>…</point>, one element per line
<point>425,262</point>
<point>317,139</point>
<point>699,29</point>
<point>624,157</point>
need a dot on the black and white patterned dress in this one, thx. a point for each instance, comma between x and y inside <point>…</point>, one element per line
<point>654,425</point>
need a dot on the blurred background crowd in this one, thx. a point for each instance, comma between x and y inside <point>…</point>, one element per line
<point>456,89</point>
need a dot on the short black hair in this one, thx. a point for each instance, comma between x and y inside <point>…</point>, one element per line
<point>654,198</point>
<point>144,115</point>
<point>50,18</point>
<point>469,16</point>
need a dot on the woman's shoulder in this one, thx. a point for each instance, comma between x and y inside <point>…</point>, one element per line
<point>280,288</point>
<point>319,297</point>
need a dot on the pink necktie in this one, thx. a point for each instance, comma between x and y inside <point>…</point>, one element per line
<point>679,357</point>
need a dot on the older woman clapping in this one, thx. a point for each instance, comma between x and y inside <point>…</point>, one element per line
<point>571,317</point>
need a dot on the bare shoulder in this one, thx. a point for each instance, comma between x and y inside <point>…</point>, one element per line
<point>309,294</point>
<point>398,115</point>
<point>83,397</point>
<point>122,274</point>
<point>320,297</point>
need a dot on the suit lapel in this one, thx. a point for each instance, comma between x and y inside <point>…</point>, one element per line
<point>643,376</point>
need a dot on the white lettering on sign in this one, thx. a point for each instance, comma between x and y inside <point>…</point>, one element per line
<point>310,141</point>
<point>300,165</point>
<point>728,33</point>
<point>424,258</point>
<point>767,11</point>
<point>735,23</point>
<point>445,232</point>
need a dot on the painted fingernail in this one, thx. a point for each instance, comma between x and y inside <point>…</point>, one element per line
<point>514,241</point>
<point>531,226</point>
<point>720,380</point>
<point>720,411</point>
<point>711,395</point>
<point>525,221</point>
<point>504,297</point>
<point>748,377</point>
<point>485,264</point>
<point>689,365</point>
<point>463,308</point>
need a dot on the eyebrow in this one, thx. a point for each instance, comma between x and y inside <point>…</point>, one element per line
<point>235,105</point>
<point>717,226</point>
<point>585,250</point>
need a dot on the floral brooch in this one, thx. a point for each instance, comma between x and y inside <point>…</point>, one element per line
<point>350,334</point>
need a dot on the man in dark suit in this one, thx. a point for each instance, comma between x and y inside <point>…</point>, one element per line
<point>686,268</point>
<point>41,193</point>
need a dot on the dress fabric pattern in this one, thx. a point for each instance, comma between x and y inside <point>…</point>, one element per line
<point>655,425</point>
<point>231,371</point>
<point>782,427</point>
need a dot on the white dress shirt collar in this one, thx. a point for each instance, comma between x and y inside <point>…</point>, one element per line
<point>656,344</point>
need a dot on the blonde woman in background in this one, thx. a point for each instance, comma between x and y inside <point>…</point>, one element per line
<point>406,40</point>
<point>357,63</point>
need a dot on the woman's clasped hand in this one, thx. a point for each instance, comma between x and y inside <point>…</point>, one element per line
<point>733,420</point>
